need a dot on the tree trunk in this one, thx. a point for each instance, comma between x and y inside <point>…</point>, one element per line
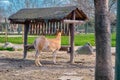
<point>117,62</point>
<point>103,69</point>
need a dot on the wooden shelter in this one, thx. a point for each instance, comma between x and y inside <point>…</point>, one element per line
<point>41,16</point>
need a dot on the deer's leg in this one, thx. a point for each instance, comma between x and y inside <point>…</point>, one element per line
<point>54,56</point>
<point>37,58</point>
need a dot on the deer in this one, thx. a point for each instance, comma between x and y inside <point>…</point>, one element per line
<point>52,45</point>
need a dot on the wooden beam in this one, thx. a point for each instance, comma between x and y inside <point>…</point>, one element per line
<point>26,29</point>
<point>71,27</point>
<point>73,21</point>
<point>42,28</point>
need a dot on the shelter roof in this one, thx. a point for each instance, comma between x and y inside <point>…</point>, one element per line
<point>51,13</point>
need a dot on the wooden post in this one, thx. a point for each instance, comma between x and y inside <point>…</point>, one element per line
<point>39,29</point>
<point>117,61</point>
<point>6,30</point>
<point>67,29</point>
<point>55,27</point>
<point>26,29</point>
<point>49,28</point>
<point>86,28</point>
<point>71,27</point>
<point>33,28</point>
<point>23,34</point>
<point>36,28</point>
<point>45,28</point>
<point>30,29</point>
<point>42,28</point>
<point>53,24</point>
<point>62,27</point>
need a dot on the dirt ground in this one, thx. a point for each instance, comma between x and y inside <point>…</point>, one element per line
<point>12,67</point>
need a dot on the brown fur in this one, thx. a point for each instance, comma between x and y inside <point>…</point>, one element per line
<point>42,43</point>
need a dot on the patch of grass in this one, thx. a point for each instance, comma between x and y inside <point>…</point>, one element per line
<point>80,39</point>
<point>113,39</point>
<point>9,49</point>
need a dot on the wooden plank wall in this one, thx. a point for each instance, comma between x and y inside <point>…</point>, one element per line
<point>48,28</point>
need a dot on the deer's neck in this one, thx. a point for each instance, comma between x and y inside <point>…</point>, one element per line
<point>58,37</point>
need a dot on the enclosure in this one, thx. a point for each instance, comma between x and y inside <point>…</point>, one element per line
<point>32,25</point>
<point>40,17</point>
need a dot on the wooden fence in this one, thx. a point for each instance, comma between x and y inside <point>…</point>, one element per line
<point>48,28</point>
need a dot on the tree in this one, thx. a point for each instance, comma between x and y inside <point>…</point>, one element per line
<point>54,3</point>
<point>103,69</point>
<point>16,5</point>
<point>1,12</point>
<point>117,61</point>
<point>86,5</point>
